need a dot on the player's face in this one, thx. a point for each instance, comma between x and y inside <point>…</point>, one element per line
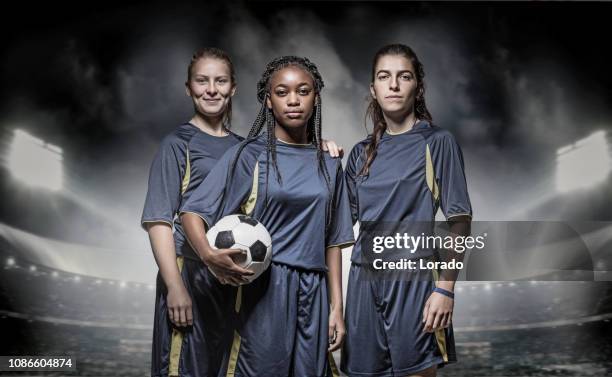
<point>395,85</point>
<point>292,97</point>
<point>210,87</point>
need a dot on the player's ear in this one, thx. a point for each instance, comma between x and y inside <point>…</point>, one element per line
<point>234,86</point>
<point>372,91</point>
<point>187,90</point>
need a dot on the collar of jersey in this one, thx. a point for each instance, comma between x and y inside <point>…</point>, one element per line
<point>421,124</point>
<point>297,145</point>
<point>229,133</point>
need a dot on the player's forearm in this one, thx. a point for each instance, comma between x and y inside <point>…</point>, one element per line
<point>162,243</point>
<point>333,259</point>
<point>459,226</point>
<point>196,234</point>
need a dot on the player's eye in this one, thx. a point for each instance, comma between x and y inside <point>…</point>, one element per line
<point>222,81</point>
<point>383,76</point>
<point>406,76</point>
<point>280,92</point>
<point>304,91</point>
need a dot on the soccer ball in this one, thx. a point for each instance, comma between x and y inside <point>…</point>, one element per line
<point>246,233</point>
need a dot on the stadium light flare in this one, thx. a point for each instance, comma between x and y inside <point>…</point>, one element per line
<point>32,268</point>
<point>34,162</point>
<point>583,164</point>
<point>10,261</point>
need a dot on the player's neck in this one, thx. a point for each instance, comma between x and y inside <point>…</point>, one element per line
<point>401,124</point>
<point>210,125</point>
<point>298,135</point>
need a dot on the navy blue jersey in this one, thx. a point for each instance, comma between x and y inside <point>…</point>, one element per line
<point>296,210</point>
<point>413,175</point>
<point>184,159</point>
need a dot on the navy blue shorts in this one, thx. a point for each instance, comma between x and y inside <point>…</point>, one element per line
<point>384,328</point>
<point>197,350</point>
<point>281,326</point>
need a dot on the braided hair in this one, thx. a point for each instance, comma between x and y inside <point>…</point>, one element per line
<point>374,110</point>
<point>265,117</point>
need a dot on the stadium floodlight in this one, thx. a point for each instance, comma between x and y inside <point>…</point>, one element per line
<point>10,261</point>
<point>32,268</point>
<point>34,162</point>
<point>583,164</point>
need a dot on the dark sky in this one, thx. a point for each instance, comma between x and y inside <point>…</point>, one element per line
<point>513,81</point>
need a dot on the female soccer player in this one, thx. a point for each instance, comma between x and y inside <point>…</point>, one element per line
<point>190,304</point>
<point>403,172</point>
<point>187,329</point>
<point>283,179</point>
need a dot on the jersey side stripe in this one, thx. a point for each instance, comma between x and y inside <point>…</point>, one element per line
<point>233,359</point>
<point>187,176</point>
<point>249,205</point>
<point>177,339</point>
<point>430,175</point>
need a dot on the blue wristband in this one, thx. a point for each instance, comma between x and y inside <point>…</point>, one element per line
<point>444,292</point>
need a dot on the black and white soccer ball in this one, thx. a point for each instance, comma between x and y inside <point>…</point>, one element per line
<point>246,233</point>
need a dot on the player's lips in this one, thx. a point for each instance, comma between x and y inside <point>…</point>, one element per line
<point>394,97</point>
<point>213,100</point>
<point>294,113</point>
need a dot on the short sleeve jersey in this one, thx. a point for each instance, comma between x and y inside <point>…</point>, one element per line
<point>184,159</point>
<point>413,175</point>
<point>295,211</point>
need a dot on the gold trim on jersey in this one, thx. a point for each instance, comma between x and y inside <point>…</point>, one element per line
<point>155,221</point>
<point>187,176</point>
<point>341,245</point>
<point>249,205</point>
<point>430,175</point>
